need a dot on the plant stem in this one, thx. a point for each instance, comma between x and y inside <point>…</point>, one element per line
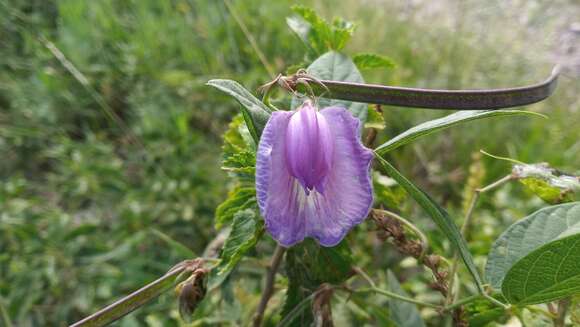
<point>396,296</point>
<point>560,319</point>
<point>463,301</point>
<point>269,287</point>
<point>465,227</point>
<point>138,298</point>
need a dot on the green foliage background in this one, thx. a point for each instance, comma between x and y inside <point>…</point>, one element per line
<point>111,175</point>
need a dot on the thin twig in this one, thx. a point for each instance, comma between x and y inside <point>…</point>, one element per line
<point>269,287</point>
<point>466,223</point>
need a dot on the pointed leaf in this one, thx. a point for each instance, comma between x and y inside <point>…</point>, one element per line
<point>256,113</point>
<point>435,125</point>
<point>439,216</point>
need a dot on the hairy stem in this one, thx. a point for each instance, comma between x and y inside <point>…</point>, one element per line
<point>269,287</point>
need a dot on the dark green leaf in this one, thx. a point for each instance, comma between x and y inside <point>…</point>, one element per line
<point>435,125</point>
<point>338,67</point>
<point>247,229</point>
<point>239,199</point>
<point>439,216</point>
<point>404,314</point>
<point>371,61</point>
<point>549,273</point>
<point>308,265</point>
<point>256,113</point>
<point>526,235</point>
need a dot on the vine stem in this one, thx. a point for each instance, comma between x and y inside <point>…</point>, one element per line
<point>560,319</point>
<point>464,228</point>
<point>269,287</point>
<point>374,289</point>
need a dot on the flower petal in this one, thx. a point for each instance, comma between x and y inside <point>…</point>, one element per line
<point>326,215</point>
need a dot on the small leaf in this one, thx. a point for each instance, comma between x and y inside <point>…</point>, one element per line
<point>338,67</point>
<point>371,61</point>
<point>239,198</point>
<point>256,113</point>
<point>404,314</point>
<point>439,216</point>
<point>239,153</point>
<point>525,236</point>
<point>319,35</point>
<point>435,125</point>
<point>246,230</point>
<point>308,265</point>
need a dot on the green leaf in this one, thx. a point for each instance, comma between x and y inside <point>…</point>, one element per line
<point>256,113</point>
<point>404,314</point>
<point>247,229</point>
<point>436,125</point>
<point>536,259</point>
<point>527,235</point>
<point>308,265</point>
<point>338,67</point>
<point>372,60</point>
<point>239,151</point>
<point>319,35</point>
<point>439,216</point>
<point>239,198</point>
<point>549,273</point>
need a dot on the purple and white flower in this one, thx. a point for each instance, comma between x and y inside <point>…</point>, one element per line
<point>313,175</point>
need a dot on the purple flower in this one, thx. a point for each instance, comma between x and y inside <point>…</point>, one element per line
<point>313,175</point>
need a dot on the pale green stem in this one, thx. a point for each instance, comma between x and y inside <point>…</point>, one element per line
<point>464,229</point>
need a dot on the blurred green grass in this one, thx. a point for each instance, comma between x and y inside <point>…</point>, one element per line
<point>111,176</point>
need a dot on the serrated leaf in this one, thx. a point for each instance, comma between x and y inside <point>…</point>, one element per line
<point>372,61</point>
<point>239,198</point>
<point>319,35</point>
<point>256,113</point>
<point>239,153</point>
<point>439,216</point>
<point>308,265</point>
<point>527,235</point>
<point>404,314</point>
<point>338,67</point>
<point>246,230</point>
<point>436,125</point>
